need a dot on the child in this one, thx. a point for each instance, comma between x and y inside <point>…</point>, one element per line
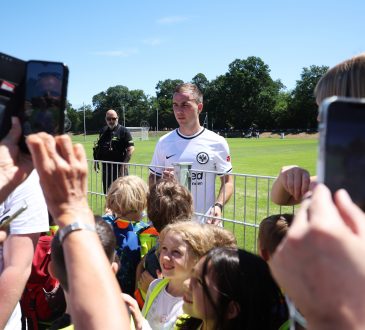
<point>167,202</point>
<point>271,231</point>
<point>181,246</point>
<point>126,199</point>
<point>232,289</point>
<point>58,269</point>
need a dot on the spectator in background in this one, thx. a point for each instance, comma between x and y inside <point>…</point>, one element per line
<point>193,143</point>
<point>115,144</point>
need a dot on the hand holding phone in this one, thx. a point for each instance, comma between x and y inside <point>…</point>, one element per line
<point>341,161</point>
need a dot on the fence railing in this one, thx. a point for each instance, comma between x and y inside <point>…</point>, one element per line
<point>249,204</point>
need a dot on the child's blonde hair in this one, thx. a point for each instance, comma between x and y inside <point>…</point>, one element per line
<point>127,194</point>
<point>200,237</point>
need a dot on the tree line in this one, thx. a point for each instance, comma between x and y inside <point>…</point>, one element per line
<point>245,96</point>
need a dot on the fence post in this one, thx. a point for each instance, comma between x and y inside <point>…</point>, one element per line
<point>182,173</point>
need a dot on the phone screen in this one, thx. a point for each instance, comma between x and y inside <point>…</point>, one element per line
<point>343,145</point>
<point>45,97</point>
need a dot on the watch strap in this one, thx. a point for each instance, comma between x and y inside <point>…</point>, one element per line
<point>219,205</point>
<point>74,227</point>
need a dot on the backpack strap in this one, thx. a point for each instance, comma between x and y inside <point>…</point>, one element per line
<point>152,296</point>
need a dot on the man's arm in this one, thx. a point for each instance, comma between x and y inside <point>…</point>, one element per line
<point>225,193</point>
<point>128,156</point>
<point>18,256</point>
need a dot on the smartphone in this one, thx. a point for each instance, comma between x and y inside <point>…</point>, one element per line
<point>12,72</point>
<point>5,221</point>
<point>45,91</point>
<point>341,157</point>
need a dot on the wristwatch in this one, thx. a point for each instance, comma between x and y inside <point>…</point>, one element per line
<point>73,227</point>
<point>219,205</point>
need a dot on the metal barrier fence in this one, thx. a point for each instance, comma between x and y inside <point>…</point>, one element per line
<point>249,204</point>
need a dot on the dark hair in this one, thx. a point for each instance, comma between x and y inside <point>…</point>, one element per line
<point>272,230</point>
<point>107,239</point>
<point>168,202</point>
<point>244,278</point>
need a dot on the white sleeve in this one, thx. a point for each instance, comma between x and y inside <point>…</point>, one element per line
<point>223,158</point>
<point>35,218</point>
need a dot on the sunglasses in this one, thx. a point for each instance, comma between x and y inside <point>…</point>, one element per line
<point>111,118</point>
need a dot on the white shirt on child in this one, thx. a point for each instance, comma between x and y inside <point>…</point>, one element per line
<point>164,310</point>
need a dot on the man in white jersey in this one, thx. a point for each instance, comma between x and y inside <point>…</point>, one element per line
<point>16,252</point>
<point>193,143</point>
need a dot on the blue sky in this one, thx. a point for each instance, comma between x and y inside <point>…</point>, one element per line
<point>137,43</point>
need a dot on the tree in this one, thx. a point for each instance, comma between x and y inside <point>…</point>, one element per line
<point>201,81</point>
<point>164,92</point>
<point>245,95</point>
<point>303,107</point>
<point>131,105</point>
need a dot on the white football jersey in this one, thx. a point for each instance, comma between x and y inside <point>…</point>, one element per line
<point>207,151</point>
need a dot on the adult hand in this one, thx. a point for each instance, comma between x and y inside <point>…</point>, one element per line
<point>62,169</point>
<point>320,264</point>
<point>14,165</point>
<point>168,173</point>
<point>215,212</point>
<point>291,185</point>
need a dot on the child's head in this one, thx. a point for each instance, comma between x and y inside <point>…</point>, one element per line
<point>233,289</point>
<point>344,79</point>
<point>107,239</point>
<point>271,231</point>
<point>183,243</point>
<point>127,197</point>
<point>168,202</point>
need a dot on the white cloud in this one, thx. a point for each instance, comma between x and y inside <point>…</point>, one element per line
<point>152,41</point>
<point>172,19</point>
<point>118,53</point>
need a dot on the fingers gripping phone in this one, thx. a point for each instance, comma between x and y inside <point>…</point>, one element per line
<point>6,220</point>
<point>34,91</point>
<point>341,160</point>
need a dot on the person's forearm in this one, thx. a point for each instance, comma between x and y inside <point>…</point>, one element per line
<point>225,191</point>
<point>95,293</point>
<point>12,283</point>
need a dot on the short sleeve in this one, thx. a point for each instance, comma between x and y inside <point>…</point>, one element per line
<point>223,158</point>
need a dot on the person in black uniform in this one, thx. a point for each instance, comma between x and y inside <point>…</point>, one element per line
<point>115,144</point>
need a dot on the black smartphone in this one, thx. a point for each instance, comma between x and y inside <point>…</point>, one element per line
<point>12,72</point>
<point>5,221</point>
<point>45,90</point>
<point>341,157</point>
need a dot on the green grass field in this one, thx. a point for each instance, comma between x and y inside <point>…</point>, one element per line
<point>263,156</point>
<point>251,202</point>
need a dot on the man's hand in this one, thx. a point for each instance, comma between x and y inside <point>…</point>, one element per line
<point>62,169</point>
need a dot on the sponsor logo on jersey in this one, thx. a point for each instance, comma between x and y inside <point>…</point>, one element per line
<point>228,158</point>
<point>167,157</point>
<point>197,178</point>
<point>202,158</point>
